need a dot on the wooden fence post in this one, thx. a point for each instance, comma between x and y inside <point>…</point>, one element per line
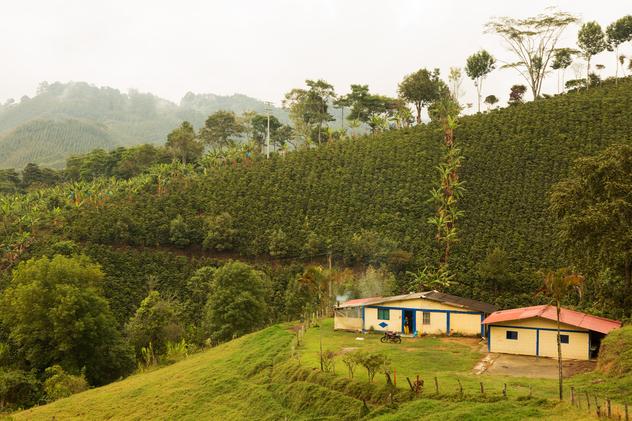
<point>412,389</point>
<point>460,387</point>
<point>609,407</point>
<point>597,406</point>
<point>572,395</point>
<point>530,391</point>
<point>505,390</point>
<point>625,407</point>
<point>482,388</point>
<point>436,384</point>
<point>588,400</point>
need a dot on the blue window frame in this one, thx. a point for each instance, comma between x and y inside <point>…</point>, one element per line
<point>383,314</point>
<point>512,334</point>
<point>564,339</point>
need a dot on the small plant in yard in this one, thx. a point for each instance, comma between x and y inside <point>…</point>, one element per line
<point>351,360</point>
<point>329,361</point>
<point>373,362</point>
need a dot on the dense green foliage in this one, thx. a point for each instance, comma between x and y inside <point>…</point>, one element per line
<point>362,201</point>
<point>236,302</point>
<point>615,357</point>
<point>53,312</point>
<point>593,207</point>
<point>512,157</point>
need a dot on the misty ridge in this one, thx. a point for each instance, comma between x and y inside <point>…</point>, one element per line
<point>65,119</point>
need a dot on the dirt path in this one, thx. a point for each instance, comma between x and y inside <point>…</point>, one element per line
<point>532,367</point>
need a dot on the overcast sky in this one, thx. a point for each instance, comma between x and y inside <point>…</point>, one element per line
<point>259,48</point>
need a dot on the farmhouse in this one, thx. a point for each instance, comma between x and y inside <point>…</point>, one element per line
<point>431,312</point>
<point>533,331</point>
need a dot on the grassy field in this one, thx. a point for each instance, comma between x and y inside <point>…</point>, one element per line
<point>257,377</point>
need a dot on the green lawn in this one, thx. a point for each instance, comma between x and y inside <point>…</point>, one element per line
<point>448,360</point>
<point>255,377</point>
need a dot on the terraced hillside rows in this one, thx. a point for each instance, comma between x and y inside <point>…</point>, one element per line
<point>382,184</point>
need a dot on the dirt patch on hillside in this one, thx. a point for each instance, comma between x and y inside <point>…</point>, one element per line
<point>469,341</point>
<point>532,367</point>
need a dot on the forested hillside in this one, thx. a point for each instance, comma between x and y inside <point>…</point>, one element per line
<point>128,119</point>
<point>375,191</point>
<point>362,201</point>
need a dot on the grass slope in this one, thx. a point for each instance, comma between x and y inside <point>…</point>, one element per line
<point>255,377</point>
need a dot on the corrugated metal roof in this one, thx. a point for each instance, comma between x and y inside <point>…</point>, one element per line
<point>569,317</point>
<point>455,301</point>
<point>448,299</point>
<point>358,302</point>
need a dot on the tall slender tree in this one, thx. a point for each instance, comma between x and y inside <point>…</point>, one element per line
<point>450,189</point>
<point>617,33</point>
<point>477,67</point>
<point>591,41</point>
<point>557,285</point>
<point>563,58</point>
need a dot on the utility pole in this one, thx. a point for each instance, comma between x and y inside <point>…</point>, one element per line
<point>268,109</point>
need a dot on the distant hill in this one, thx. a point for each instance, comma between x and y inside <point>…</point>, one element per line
<point>50,142</point>
<point>75,117</point>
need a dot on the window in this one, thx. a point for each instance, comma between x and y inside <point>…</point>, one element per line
<point>564,339</point>
<point>426,318</point>
<point>383,314</point>
<point>512,334</point>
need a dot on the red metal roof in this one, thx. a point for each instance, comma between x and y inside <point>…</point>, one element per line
<point>358,301</point>
<point>569,317</point>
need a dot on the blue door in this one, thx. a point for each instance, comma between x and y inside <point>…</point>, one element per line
<point>408,321</point>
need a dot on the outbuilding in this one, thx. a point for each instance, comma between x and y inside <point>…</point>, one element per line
<point>430,312</point>
<point>533,331</point>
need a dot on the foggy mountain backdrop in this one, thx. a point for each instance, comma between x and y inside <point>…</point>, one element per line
<point>65,119</point>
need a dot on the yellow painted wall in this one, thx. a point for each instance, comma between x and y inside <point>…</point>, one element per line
<point>347,323</point>
<point>524,345</point>
<point>465,324</point>
<point>371,320</point>
<point>437,324</point>
<point>577,348</point>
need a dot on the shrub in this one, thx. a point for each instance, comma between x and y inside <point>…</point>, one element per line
<point>17,388</point>
<point>60,384</point>
<point>221,234</point>
<point>373,362</point>
<point>155,323</point>
<point>179,233</point>
<point>176,351</point>
<point>278,243</point>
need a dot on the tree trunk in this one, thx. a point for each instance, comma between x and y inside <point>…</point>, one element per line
<point>588,73</point>
<point>559,352</point>
<point>616,68</point>
<point>418,107</point>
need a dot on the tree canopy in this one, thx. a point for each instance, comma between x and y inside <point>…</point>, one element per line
<point>477,67</point>
<point>533,42</point>
<point>55,313</point>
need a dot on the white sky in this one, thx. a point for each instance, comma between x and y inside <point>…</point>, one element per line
<point>261,48</point>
